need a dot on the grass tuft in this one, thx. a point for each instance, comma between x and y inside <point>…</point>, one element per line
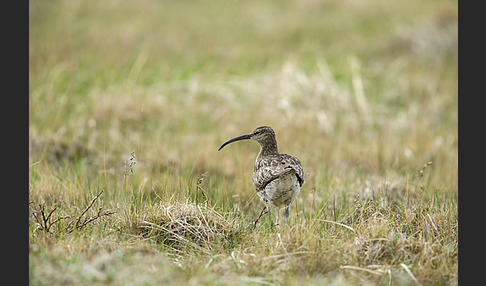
<point>185,226</point>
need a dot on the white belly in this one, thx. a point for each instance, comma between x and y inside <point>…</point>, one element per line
<point>281,191</point>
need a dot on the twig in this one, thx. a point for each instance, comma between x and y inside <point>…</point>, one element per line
<point>45,223</point>
<point>98,215</point>
<point>86,209</point>
<point>43,220</point>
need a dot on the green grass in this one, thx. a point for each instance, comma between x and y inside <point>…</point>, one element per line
<point>363,93</point>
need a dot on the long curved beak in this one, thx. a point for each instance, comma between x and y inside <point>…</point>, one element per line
<point>242,137</point>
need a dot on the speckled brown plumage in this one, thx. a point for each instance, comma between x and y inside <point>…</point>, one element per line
<point>277,177</point>
<point>270,167</point>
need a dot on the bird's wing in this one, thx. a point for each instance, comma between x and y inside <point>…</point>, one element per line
<point>271,167</point>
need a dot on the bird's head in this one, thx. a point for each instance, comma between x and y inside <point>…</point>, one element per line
<point>261,134</point>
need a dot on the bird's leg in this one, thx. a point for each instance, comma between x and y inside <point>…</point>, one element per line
<point>270,217</point>
<point>286,214</point>
<point>265,207</point>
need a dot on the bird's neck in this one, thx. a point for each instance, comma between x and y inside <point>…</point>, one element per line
<point>269,148</point>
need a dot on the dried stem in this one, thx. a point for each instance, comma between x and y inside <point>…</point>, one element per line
<point>45,223</point>
<point>85,210</point>
<point>199,187</point>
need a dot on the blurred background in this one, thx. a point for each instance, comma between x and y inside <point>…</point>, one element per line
<point>355,89</point>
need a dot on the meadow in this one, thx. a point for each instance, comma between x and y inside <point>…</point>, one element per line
<point>130,100</point>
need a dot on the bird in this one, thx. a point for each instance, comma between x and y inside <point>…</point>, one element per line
<point>277,177</point>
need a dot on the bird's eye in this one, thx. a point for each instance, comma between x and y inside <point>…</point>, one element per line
<point>257,132</point>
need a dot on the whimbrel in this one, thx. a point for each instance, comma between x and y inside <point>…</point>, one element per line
<point>277,177</point>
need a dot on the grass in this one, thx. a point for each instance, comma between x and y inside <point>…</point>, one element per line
<point>129,103</point>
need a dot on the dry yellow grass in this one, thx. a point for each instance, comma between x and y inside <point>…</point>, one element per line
<point>365,94</point>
